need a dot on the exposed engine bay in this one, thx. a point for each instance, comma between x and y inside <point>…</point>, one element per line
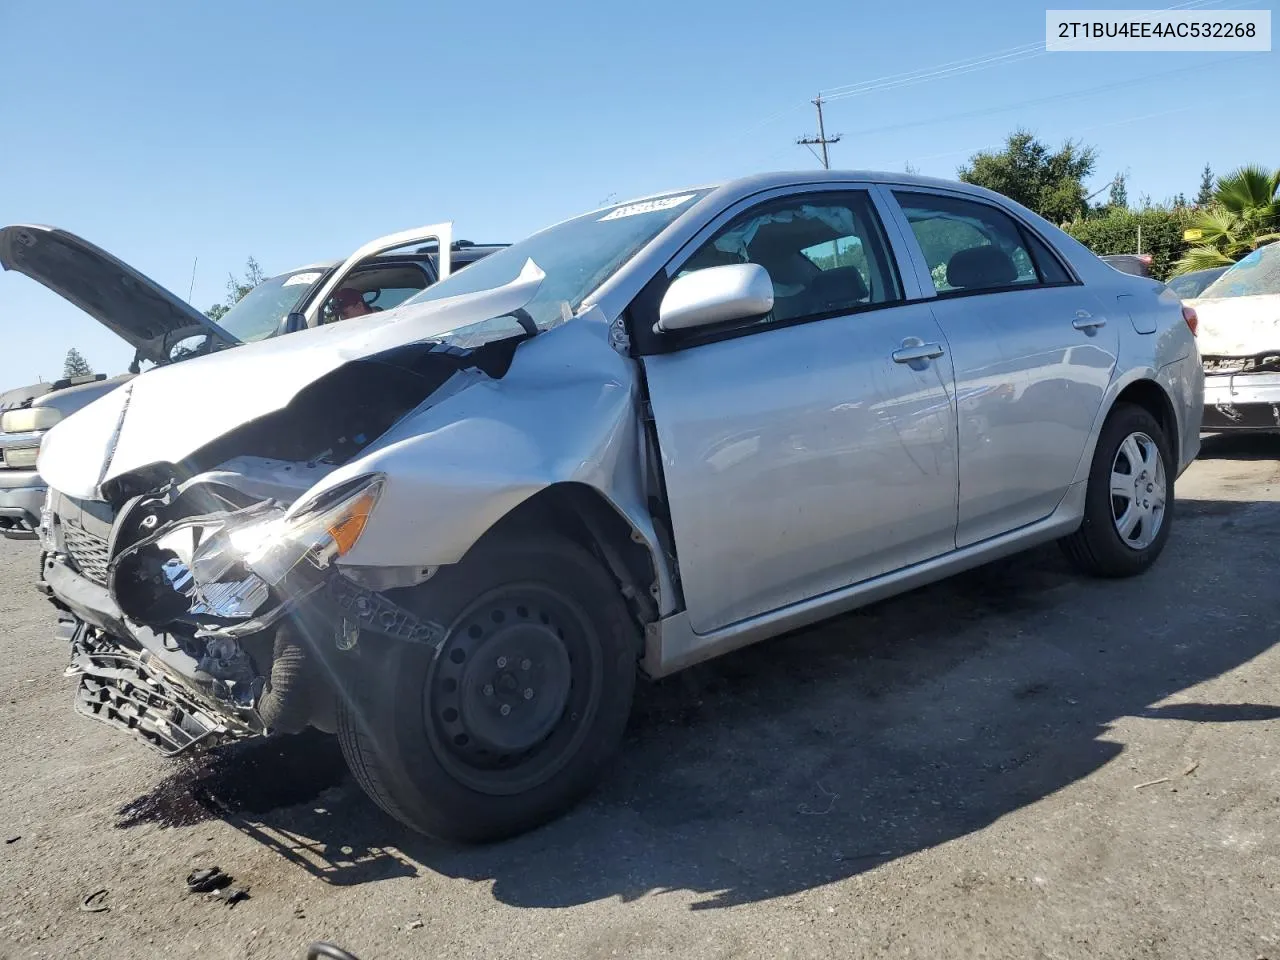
<point>202,600</point>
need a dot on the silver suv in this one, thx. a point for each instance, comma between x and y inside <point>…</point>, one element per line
<point>451,532</point>
<point>26,415</point>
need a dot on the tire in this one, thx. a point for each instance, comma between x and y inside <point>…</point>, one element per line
<point>421,728</point>
<point>1098,547</point>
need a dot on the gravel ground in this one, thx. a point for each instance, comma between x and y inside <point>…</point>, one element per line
<point>1016,763</point>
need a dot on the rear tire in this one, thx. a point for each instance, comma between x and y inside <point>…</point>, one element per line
<point>1129,500</point>
<point>512,719</point>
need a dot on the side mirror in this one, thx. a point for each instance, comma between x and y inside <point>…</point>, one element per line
<point>294,322</point>
<point>736,291</point>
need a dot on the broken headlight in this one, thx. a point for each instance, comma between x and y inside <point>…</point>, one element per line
<point>319,531</point>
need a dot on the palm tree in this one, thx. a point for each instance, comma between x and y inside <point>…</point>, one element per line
<point>1244,215</point>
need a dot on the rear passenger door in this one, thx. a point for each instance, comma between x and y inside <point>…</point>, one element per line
<point>1033,353</point>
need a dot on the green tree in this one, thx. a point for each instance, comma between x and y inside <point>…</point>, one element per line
<point>1205,196</point>
<point>1119,197</point>
<point>237,288</point>
<point>75,365</point>
<point>1048,182</point>
<point>1243,214</point>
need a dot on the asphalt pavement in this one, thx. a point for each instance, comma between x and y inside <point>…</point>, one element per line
<point>1018,762</point>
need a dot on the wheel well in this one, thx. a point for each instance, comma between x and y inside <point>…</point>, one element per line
<point>1151,397</point>
<point>582,514</point>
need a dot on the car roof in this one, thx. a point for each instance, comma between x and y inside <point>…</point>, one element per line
<point>728,191</point>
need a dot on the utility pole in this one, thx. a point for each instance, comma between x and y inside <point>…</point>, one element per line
<point>822,139</point>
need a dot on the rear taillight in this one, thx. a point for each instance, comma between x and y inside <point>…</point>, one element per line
<point>1193,322</point>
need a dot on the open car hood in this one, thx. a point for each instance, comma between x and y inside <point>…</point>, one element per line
<point>167,414</point>
<point>1237,326</point>
<point>132,306</point>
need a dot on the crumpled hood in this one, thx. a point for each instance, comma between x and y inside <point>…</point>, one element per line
<point>1237,326</point>
<point>168,413</point>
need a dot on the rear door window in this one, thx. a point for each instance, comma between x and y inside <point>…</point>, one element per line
<point>974,247</point>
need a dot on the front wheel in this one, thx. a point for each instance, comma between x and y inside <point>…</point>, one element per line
<point>1129,500</point>
<point>511,719</point>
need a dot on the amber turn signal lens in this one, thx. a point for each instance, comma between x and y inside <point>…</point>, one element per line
<point>347,528</point>
<point>1193,322</point>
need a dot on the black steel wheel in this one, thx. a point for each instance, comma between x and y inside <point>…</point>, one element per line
<point>511,719</point>
<point>514,689</point>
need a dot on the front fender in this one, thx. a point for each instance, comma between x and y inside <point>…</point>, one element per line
<point>565,411</point>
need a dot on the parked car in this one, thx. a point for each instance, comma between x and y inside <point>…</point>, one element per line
<point>1188,286</point>
<point>1135,264</point>
<point>26,414</point>
<point>1239,318</point>
<point>162,328</point>
<point>643,437</point>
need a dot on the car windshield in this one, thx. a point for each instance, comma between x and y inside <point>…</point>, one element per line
<point>577,255</point>
<point>1191,284</point>
<point>1256,275</point>
<point>260,312</point>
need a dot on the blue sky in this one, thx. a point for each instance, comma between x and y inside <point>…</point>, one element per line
<point>167,132</point>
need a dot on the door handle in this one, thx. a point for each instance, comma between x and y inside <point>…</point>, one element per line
<point>1086,321</point>
<point>914,349</point>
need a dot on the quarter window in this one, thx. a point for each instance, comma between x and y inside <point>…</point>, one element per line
<point>973,246</point>
<point>825,253</point>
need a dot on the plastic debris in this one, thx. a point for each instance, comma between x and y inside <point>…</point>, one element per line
<point>230,895</point>
<point>95,902</point>
<point>207,880</point>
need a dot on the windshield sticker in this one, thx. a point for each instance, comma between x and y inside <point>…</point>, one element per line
<point>646,206</point>
<point>307,278</point>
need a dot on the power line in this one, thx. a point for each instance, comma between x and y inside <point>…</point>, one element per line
<point>955,68</point>
<point>1052,98</point>
<point>822,138</point>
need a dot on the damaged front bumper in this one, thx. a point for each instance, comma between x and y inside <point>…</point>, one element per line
<point>195,663</point>
<point>133,690</point>
<point>1241,401</point>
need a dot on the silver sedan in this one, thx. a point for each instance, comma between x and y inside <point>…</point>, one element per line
<point>645,436</point>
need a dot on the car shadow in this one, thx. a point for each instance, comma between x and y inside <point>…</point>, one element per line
<point>813,757</point>
<point>1240,446</point>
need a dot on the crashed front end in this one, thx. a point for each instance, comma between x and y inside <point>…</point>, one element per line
<point>234,542</point>
<point>237,614</point>
<point>200,553</point>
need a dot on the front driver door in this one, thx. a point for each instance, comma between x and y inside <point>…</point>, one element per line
<point>814,448</point>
